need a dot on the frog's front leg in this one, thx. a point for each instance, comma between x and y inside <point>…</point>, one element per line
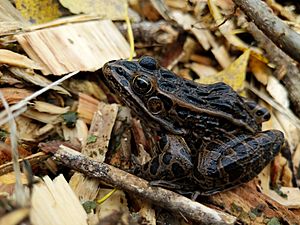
<point>172,164</point>
<point>224,164</point>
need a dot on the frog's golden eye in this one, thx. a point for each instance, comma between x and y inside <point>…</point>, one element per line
<point>155,105</point>
<point>141,85</point>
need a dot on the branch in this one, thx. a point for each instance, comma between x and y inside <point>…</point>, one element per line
<point>130,183</point>
<point>280,33</point>
<point>291,76</point>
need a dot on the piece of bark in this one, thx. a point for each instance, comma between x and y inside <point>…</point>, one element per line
<point>128,182</point>
<point>279,32</point>
<point>152,33</point>
<point>252,206</point>
<point>33,159</point>
<point>291,76</point>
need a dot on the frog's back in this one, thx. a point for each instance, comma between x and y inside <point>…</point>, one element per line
<point>216,100</point>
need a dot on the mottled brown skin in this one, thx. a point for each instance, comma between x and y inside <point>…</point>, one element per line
<point>213,139</point>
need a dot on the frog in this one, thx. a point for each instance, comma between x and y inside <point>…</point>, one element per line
<point>212,138</point>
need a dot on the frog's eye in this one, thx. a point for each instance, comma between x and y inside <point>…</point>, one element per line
<point>141,85</point>
<point>155,105</point>
<point>148,63</point>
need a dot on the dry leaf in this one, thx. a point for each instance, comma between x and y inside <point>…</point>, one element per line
<point>293,197</point>
<point>11,19</point>
<point>227,27</point>
<point>203,71</point>
<point>278,91</point>
<point>292,133</point>
<point>34,78</point>
<point>234,75</point>
<point>43,117</point>
<point>50,108</point>
<point>14,59</point>
<point>116,203</point>
<point>106,9</point>
<point>260,70</point>
<point>38,11</point>
<point>15,217</point>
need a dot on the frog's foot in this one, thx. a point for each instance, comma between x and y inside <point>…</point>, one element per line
<point>173,163</point>
<point>223,165</point>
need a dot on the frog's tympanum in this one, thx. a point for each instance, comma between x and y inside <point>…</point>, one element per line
<point>213,139</point>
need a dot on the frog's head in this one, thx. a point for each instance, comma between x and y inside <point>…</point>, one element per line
<point>136,83</point>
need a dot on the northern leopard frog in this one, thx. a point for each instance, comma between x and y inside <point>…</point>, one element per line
<point>213,139</point>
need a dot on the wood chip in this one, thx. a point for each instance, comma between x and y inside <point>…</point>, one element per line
<point>14,59</point>
<point>50,108</point>
<point>86,46</point>
<point>14,95</point>
<point>54,202</point>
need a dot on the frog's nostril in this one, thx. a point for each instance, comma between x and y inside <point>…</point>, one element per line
<point>112,61</point>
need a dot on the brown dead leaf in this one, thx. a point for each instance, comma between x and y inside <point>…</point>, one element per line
<point>260,70</point>
<point>14,95</point>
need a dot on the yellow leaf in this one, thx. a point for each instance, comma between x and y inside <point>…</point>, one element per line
<point>112,9</point>
<point>260,70</point>
<point>233,75</point>
<point>38,11</point>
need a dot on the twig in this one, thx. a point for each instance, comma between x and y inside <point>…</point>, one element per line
<point>33,159</point>
<point>291,76</point>
<point>279,32</point>
<point>128,182</point>
<point>20,192</point>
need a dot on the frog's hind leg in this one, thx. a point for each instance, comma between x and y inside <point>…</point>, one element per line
<point>169,167</point>
<point>225,163</point>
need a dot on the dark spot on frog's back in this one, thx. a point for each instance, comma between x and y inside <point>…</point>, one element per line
<point>166,74</point>
<point>195,100</point>
<point>130,66</point>
<point>167,86</point>
<point>177,170</point>
<point>154,166</point>
<point>119,70</point>
<point>167,158</point>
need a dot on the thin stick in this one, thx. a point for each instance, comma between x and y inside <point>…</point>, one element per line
<point>20,192</point>
<point>273,27</point>
<point>128,182</point>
